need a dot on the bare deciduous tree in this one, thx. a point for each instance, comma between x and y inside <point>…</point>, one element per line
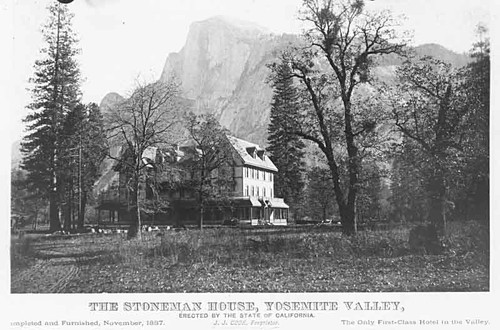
<point>339,49</point>
<point>211,167</point>
<point>146,119</point>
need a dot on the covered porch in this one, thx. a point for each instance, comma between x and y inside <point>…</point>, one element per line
<point>258,211</point>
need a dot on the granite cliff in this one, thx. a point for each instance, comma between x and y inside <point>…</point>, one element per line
<point>222,70</point>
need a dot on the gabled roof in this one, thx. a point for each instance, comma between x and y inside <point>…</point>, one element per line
<point>251,154</point>
<point>149,156</point>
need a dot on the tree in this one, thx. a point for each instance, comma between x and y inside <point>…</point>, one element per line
<point>368,206</point>
<point>286,150</point>
<point>443,115</point>
<point>320,198</point>
<point>408,197</point>
<point>427,110</point>
<point>335,60</point>
<point>26,205</point>
<point>145,120</point>
<point>56,90</point>
<point>211,174</point>
<point>474,188</point>
<point>84,148</point>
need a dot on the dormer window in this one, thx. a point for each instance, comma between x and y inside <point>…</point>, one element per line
<point>252,151</point>
<point>261,154</point>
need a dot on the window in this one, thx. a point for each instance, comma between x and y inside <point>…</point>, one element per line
<point>253,174</point>
<point>246,172</point>
<point>264,190</point>
<point>258,174</point>
<point>258,191</point>
<point>271,193</point>
<point>246,191</point>
<point>253,191</point>
<point>272,176</point>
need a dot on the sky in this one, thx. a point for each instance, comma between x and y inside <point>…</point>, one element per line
<point>122,40</point>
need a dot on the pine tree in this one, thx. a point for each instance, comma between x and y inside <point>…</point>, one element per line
<point>286,149</point>
<point>94,150</point>
<point>83,149</point>
<point>56,90</point>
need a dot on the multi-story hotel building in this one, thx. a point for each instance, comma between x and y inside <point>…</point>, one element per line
<point>254,176</point>
<point>252,200</point>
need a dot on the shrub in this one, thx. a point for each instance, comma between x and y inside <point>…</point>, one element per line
<point>464,237</point>
<point>22,252</point>
<point>424,239</point>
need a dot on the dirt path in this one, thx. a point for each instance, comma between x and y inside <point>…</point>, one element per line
<point>52,272</point>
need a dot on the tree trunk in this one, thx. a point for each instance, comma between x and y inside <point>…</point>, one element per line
<point>81,213</point>
<point>353,168</point>
<point>55,223</point>
<point>67,211</point>
<point>135,227</point>
<point>201,216</point>
<point>346,210</point>
<point>54,218</point>
<point>437,198</point>
<point>201,199</point>
<point>347,215</point>
<point>138,224</point>
<point>35,220</point>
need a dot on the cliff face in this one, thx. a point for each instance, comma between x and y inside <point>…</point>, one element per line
<point>222,70</point>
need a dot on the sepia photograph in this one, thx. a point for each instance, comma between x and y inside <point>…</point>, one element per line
<point>250,164</point>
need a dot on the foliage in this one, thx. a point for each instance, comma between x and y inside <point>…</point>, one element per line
<point>83,150</point>
<point>333,63</point>
<point>286,150</point>
<point>320,197</point>
<point>26,205</point>
<point>368,206</point>
<point>436,108</point>
<point>408,196</point>
<point>56,90</point>
<point>210,173</point>
<point>22,253</point>
<point>472,192</point>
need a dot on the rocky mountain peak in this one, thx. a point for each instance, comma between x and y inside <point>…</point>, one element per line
<point>110,100</point>
<point>222,70</point>
<point>234,24</point>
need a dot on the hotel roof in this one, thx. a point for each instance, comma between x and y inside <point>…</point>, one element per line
<point>252,154</point>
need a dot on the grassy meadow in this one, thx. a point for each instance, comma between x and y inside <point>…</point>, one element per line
<point>276,259</point>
